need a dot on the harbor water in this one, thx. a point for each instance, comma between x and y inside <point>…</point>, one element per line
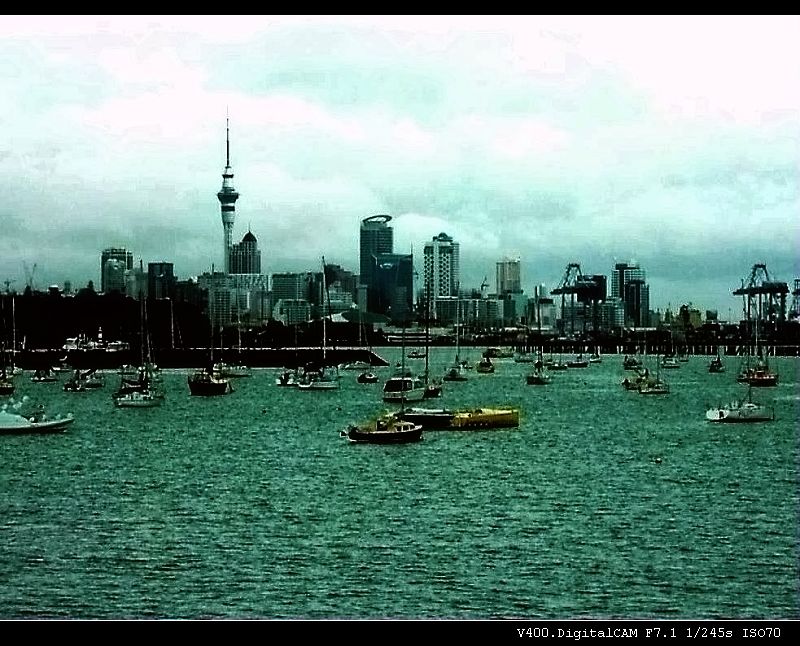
<point>603,503</point>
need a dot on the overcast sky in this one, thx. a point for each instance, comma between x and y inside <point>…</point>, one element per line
<point>673,141</point>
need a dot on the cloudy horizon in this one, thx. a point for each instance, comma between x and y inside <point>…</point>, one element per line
<point>671,140</point>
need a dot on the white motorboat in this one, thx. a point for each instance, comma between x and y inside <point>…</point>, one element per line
<point>36,422</point>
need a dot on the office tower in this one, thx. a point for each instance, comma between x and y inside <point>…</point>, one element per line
<point>637,303</point>
<point>624,272</point>
<point>114,262</point>
<point>227,197</point>
<point>160,280</point>
<point>440,269</point>
<point>393,285</point>
<point>245,257</point>
<point>376,237</point>
<point>508,276</point>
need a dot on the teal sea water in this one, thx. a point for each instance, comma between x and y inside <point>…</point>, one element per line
<point>602,504</point>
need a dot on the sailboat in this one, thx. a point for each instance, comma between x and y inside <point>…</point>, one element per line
<point>457,371</point>
<point>539,376</point>
<point>654,386</point>
<point>404,386</point>
<point>323,376</point>
<point>741,411</point>
<point>433,387</point>
<point>6,382</point>
<point>237,369</point>
<point>391,428</point>
<point>758,373</point>
<point>207,382</point>
<point>716,364</point>
<point>146,390</point>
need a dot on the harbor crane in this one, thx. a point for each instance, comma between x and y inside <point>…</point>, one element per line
<point>763,298</point>
<point>584,287</point>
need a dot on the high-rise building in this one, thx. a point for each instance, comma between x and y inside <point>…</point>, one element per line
<point>629,284</point>
<point>227,197</point>
<point>637,303</point>
<point>160,280</point>
<point>393,285</point>
<point>376,238</point>
<point>508,276</point>
<point>624,272</point>
<point>114,262</point>
<point>440,269</point>
<point>245,257</point>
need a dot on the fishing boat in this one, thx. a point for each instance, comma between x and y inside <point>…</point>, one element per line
<point>386,429</point>
<point>741,411</point>
<point>14,420</point>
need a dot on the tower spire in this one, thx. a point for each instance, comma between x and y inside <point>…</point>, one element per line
<point>227,197</point>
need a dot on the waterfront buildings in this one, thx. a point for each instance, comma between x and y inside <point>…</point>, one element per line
<point>629,284</point>
<point>245,257</point>
<point>376,239</point>
<point>441,271</point>
<point>114,262</point>
<point>160,280</point>
<point>508,276</point>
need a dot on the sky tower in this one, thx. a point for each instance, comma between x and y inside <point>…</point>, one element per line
<point>227,198</point>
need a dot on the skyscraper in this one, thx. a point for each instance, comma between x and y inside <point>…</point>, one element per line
<point>160,280</point>
<point>227,197</point>
<point>377,237</point>
<point>245,258</point>
<point>440,269</point>
<point>114,262</point>
<point>628,283</point>
<point>624,272</point>
<point>508,276</point>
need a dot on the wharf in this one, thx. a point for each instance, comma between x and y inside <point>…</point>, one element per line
<point>198,357</point>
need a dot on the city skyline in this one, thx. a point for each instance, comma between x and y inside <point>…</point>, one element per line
<point>552,139</point>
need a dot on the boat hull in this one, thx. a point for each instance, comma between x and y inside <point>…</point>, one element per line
<point>23,426</point>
